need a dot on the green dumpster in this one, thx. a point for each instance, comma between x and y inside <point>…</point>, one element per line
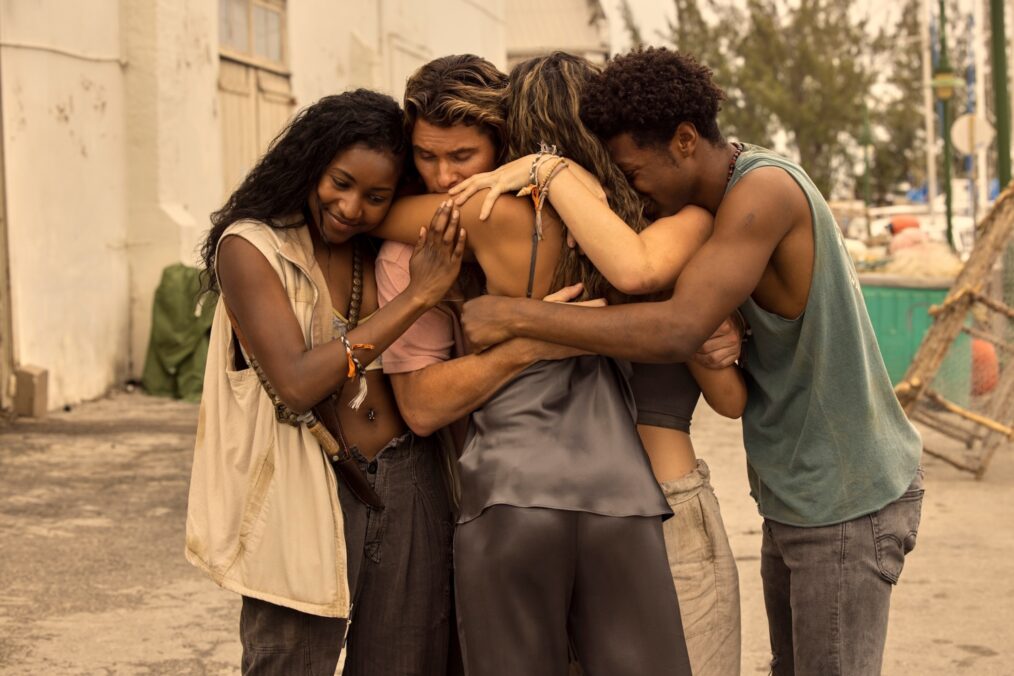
<point>899,310</point>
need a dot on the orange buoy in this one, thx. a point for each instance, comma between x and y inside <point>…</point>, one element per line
<point>900,223</point>
<point>985,367</point>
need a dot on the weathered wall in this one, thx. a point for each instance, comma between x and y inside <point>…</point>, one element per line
<point>379,44</point>
<point>418,32</point>
<point>330,55</point>
<point>66,177</point>
<point>174,151</point>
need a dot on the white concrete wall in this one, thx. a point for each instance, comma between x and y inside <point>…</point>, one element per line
<point>379,44</point>
<point>333,46</point>
<point>174,151</point>
<point>416,32</point>
<point>66,176</point>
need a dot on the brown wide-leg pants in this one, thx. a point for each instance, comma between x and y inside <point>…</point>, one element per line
<point>528,578</point>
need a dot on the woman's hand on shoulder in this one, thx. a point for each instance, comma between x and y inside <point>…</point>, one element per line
<point>509,177</point>
<point>436,261</point>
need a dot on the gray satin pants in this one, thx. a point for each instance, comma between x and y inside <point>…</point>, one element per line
<point>527,578</point>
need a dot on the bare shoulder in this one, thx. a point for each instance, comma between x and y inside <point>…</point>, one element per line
<point>765,202</point>
<point>243,269</point>
<point>507,209</point>
<point>237,255</point>
<point>406,216</point>
<point>769,188</point>
<point>511,216</point>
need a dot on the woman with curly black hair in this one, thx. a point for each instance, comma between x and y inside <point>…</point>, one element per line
<point>297,328</point>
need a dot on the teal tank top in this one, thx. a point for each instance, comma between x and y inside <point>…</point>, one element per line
<point>826,439</point>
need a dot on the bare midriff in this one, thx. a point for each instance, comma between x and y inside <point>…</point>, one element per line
<point>366,434</point>
<point>670,451</point>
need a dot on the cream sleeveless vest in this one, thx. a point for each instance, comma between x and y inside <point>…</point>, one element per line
<point>263,517</point>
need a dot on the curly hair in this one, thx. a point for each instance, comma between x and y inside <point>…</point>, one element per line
<point>542,106</point>
<point>459,89</point>
<point>282,180</point>
<point>648,93</point>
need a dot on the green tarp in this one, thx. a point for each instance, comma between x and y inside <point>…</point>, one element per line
<point>180,327</point>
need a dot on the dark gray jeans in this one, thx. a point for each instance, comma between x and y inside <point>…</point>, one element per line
<point>828,589</point>
<point>399,573</point>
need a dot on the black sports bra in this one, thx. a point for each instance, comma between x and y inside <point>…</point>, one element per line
<point>666,395</point>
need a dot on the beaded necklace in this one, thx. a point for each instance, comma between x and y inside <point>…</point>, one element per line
<point>737,149</point>
<point>355,305</point>
<point>356,300</point>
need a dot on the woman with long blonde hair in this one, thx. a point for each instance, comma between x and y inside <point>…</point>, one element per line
<point>645,260</point>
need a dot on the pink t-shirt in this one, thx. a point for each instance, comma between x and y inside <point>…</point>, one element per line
<point>431,339</point>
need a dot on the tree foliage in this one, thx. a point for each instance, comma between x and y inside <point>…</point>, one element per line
<point>900,138</point>
<point>630,25</point>
<point>799,73</point>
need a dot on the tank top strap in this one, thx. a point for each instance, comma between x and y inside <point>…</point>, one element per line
<point>531,264</point>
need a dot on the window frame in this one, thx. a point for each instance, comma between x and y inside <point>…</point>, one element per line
<point>280,67</point>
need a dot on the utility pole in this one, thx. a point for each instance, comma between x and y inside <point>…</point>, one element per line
<point>1001,108</point>
<point>867,140</point>
<point>1001,104</point>
<point>944,67</point>
<point>982,153</point>
<point>928,116</point>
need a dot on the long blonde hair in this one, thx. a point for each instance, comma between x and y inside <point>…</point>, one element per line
<point>543,101</point>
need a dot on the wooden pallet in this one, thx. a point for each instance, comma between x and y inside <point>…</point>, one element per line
<point>982,431</point>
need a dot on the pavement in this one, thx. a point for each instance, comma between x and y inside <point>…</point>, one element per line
<point>93,579</point>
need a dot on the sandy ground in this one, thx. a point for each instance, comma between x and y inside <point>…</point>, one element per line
<point>93,579</point>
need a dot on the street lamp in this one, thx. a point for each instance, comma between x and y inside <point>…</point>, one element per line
<point>944,84</point>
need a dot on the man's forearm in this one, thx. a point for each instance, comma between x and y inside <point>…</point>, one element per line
<point>439,394</point>
<point>644,332</point>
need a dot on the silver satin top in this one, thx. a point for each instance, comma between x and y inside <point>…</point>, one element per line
<point>561,436</point>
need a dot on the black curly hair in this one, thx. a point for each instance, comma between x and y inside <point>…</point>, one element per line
<point>648,93</point>
<point>284,177</point>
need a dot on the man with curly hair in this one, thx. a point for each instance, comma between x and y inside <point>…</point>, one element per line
<point>833,462</point>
